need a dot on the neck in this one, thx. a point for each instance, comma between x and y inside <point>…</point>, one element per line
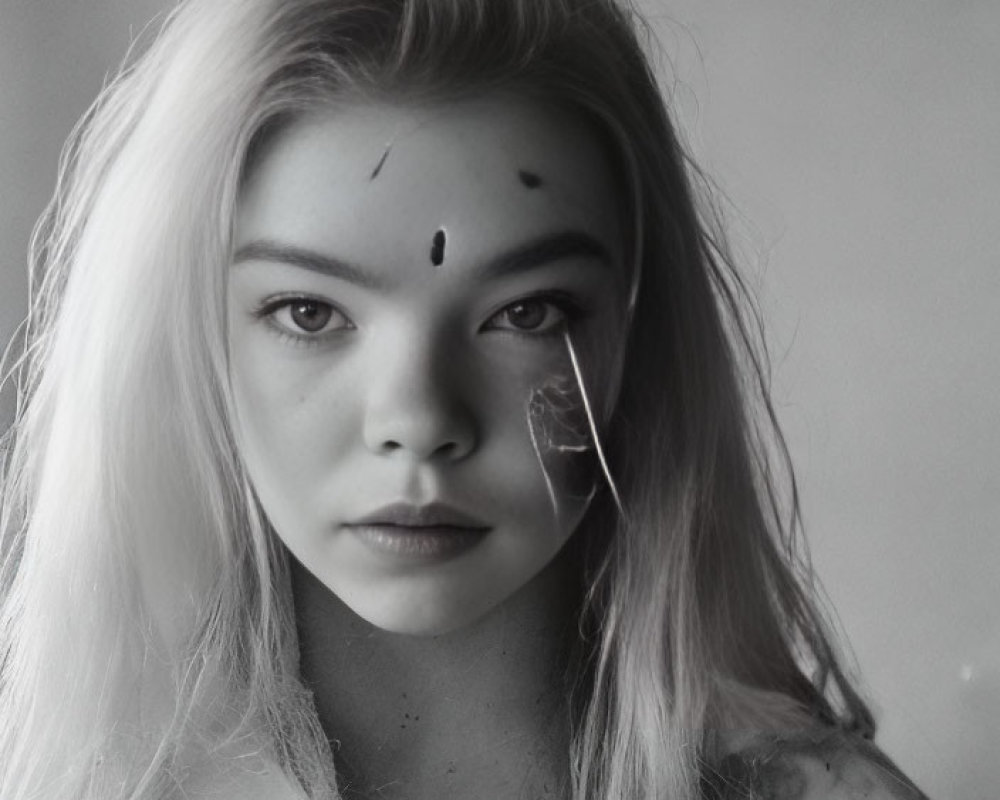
<point>478,712</point>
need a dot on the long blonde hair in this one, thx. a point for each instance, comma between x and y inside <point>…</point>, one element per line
<point>146,619</point>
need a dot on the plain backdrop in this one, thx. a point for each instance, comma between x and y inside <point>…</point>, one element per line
<point>857,145</point>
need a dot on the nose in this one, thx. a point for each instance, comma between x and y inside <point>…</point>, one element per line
<point>415,406</point>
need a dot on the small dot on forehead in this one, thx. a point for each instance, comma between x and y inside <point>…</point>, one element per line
<point>437,248</point>
<point>529,179</point>
<point>380,164</point>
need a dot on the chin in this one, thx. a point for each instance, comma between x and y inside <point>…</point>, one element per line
<point>415,622</point>
<point>423,617</point>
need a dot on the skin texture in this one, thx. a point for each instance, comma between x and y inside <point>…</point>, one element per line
<point>447,382</point>
<point>421,385</point>
<point>477,712</point>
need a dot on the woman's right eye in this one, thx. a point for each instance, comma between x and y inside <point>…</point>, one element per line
<point>306,317</point>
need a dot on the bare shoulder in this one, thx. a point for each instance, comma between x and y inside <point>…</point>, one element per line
<point>845,776</point>
<point>828,765</point>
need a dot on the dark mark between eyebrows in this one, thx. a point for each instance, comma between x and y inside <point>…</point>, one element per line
<point>529,179</point>
<point>381,162</point>
<point>437,248</point>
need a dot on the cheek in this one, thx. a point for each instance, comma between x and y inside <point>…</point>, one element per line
<point>288,426</point>
<point>560,437</point>
<point>549,459</point>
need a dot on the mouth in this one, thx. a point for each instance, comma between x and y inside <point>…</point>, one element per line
<point>433,531</point>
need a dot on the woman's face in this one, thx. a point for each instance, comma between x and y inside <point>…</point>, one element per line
<point>405,285</point>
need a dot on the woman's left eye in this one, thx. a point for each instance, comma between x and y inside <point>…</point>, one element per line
<point>531,315</point>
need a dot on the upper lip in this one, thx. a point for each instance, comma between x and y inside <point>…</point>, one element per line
<point>431,515</point>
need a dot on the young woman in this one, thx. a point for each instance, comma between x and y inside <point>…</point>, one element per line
<point>391,427</point>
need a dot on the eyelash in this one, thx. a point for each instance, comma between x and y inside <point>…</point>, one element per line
<point>562,302</point>
<point>267,310</point>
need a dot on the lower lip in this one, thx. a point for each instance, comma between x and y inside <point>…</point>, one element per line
<point>421,543</point>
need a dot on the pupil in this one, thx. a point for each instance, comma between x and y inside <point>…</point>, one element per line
<point>527,315</point>
<point>311,315</point>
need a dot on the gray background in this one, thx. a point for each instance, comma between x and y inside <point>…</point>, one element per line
<point>858,145</point>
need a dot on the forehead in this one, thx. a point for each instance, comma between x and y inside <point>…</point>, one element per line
<point>372,179</point>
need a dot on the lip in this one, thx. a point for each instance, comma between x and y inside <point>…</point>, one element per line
<point>430,532</point>
<point>432,515</point>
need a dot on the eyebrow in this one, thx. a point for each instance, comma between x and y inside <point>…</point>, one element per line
<point>524,258</point>
<point>280,253</point>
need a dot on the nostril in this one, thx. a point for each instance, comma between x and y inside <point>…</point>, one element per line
<point>445,449</point>
<point>419,425</point>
